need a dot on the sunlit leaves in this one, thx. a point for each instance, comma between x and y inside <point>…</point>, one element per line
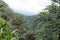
<point>2,22</point>
<point>5,33</point>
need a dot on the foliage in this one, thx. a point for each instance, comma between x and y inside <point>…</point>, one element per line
<point>5,33</point>
<point>46,25</point>
<point>48,22</point>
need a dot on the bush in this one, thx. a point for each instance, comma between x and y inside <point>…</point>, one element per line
<point>5,33</point>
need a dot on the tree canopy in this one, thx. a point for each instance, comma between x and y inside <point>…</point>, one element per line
<point>45,25</point>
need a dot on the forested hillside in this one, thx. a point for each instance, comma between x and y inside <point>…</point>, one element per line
<point>44,26</point>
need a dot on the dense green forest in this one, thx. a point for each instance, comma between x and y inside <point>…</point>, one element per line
<point>44,26</point>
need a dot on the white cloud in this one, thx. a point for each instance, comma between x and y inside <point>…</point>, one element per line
<point>28,5</point>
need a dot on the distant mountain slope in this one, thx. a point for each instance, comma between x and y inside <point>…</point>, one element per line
<point>30,18</point>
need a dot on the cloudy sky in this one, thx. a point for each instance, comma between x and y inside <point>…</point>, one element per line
<point>27,7</point>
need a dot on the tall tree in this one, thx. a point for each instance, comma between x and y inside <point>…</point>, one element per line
<point>49,21</point>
